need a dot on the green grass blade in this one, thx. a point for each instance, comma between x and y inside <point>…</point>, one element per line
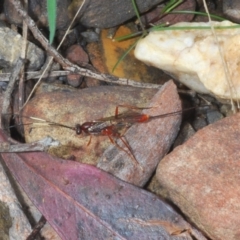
<point>137,14</point>
<point>171,5</point>
<point>156,28</point>
<point>125,54</point>
<point>127,37</point>
<point>52,13</point>
<point>136,34</point>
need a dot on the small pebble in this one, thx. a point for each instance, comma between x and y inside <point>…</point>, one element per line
<point>199,122</point>
<point>185,133</point>
<point>214,116</point>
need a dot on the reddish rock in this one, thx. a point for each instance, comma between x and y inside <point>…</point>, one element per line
<point>149,141</point>
<point>70,107</point>
<point>95,56</point>
<point>156,16</point>
<point>78,56</point>
<point>202,178</point>
<point>74,80</point>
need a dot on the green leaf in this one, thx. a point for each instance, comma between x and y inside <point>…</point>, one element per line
<point>137,14</point>
<point>52,12</point>
<point>127,37</point>
<point>157,28</point>
<point>126,53</point>
<point>171,5</point>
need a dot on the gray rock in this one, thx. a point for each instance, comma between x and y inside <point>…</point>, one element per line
<point>185,133</point>
<point>231,8</point>
<point>110,13</point>
<point>10,50</point>
<point>214,116</point>
<point>95,13</point>
<point>199,122</point>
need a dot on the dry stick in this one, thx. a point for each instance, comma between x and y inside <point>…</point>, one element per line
<point>39,146</point>
<point>23,56</point>
<point>6,115</point>
<point>50,60</point>
<point>37,228</point>
<point>67,65</point>
<point>4,77</point>
<point>6,110</point>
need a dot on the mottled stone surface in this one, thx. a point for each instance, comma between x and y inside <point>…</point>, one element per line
<point>149,141</point>
<point>15,224</point>
<point>10,50</point>
<point>192,56</point>
<point>202,178</point>
<point>70,108</point>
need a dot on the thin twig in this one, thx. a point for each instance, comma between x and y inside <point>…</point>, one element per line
<point>23,56</point>
<point>51,58</point>
<point>6,110</point>
<point>4,77</point>
<point>39,146</point>
<point>67,65</point>
<point>37,228</point>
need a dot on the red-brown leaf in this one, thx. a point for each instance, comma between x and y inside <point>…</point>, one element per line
<point>83,202</point>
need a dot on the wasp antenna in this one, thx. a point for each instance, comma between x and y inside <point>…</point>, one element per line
<point>38,119</point>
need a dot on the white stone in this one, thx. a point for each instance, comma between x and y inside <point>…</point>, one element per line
<point>193,58</point>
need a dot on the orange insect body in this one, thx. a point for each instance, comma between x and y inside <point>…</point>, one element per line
<point>143,118</point>
<point>112,126</point>
<point>108,131</point>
